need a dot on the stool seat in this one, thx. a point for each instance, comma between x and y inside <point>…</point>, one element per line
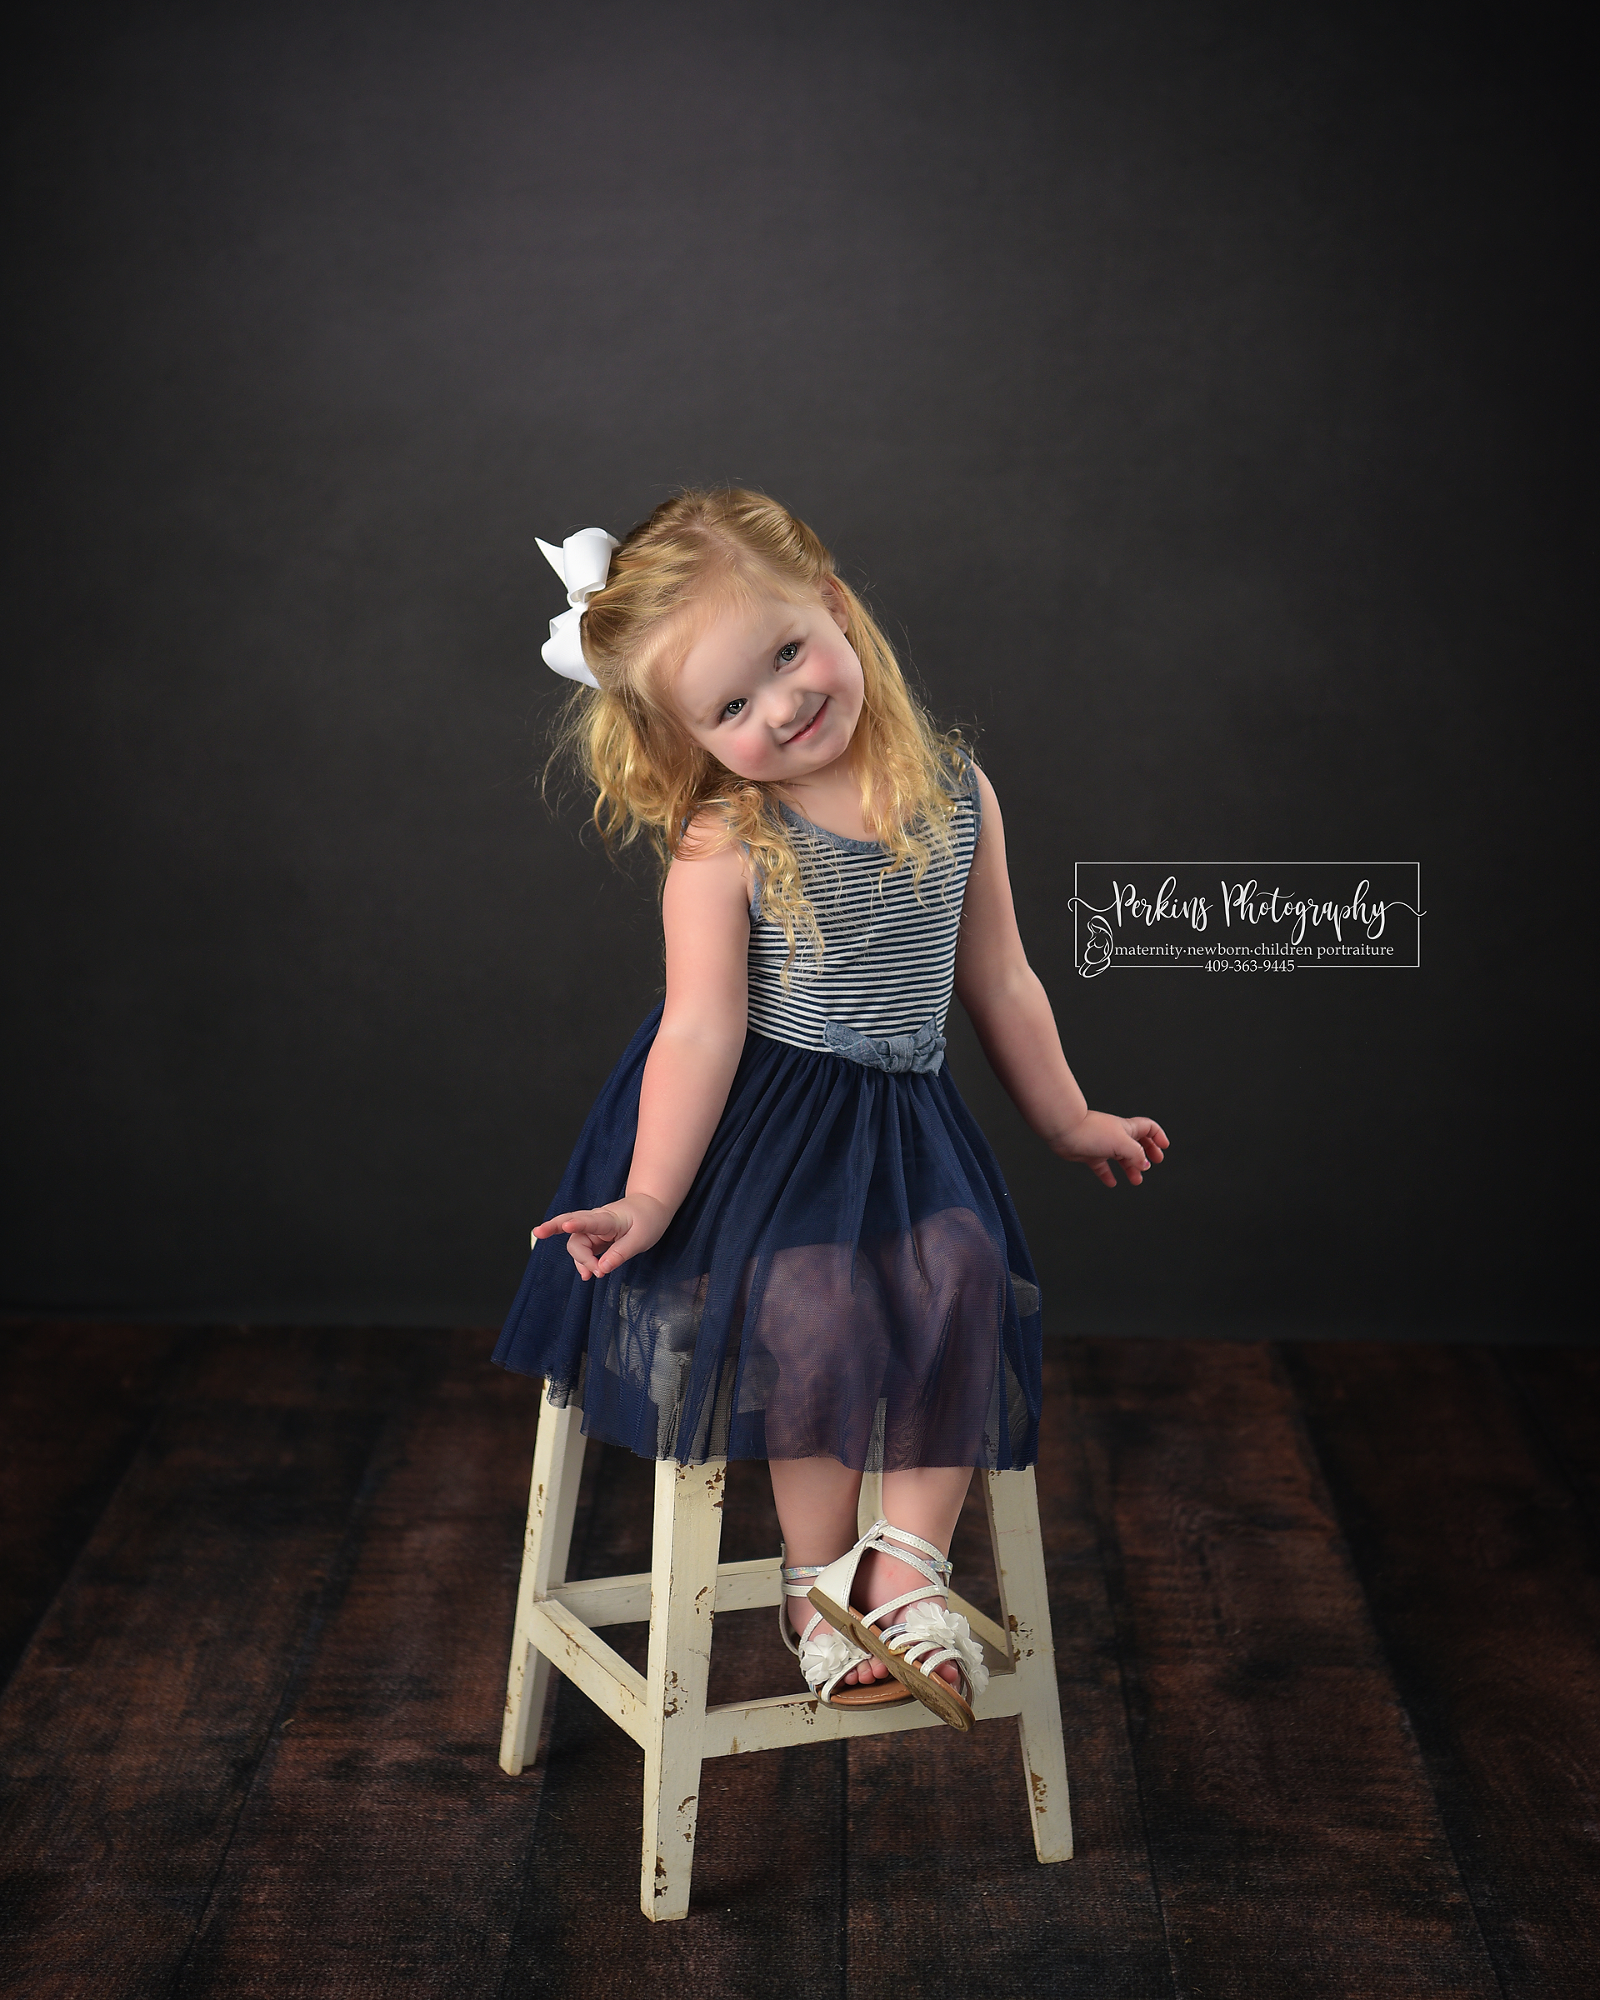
<point>664,1709</point>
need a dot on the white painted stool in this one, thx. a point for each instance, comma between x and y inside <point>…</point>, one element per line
<point>664,1710</point>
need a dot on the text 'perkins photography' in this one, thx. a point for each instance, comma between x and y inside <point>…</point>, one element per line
<point>1302,916</point>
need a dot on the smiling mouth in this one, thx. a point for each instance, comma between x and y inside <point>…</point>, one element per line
<point>800,734</point>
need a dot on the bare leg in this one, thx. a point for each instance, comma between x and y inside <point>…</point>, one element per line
<point>925,1500</point>
<point>816,1507</point>
<point>816,1500</point>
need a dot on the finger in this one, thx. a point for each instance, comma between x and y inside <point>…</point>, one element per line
<point>619,1253</point>
<point>581,1251</point>
<point>564,1225</point>
<point>1147,1154</point>
<point>1102,1172</point>
<point>600,1225</point>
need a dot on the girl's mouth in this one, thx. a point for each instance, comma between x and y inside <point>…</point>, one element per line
<point>800,735</point>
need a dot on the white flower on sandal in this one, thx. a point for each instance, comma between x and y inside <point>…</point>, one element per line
<point>935,1624</point>
<point>823,1657</point>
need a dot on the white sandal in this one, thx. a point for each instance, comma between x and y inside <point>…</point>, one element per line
<point>827,1659</point>
<point>930,1635</point>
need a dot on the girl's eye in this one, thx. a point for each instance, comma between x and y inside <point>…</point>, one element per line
<point>733,708</point>
<point>786,653</point>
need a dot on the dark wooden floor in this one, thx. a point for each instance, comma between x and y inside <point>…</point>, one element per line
<point>1326,1616</point>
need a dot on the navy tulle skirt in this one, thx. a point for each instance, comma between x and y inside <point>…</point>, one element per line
<point>845,1279</point>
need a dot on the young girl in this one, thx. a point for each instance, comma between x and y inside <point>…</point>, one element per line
<point>781,1234</point>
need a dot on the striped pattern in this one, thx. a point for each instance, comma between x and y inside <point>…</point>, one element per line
<point>889,957</point>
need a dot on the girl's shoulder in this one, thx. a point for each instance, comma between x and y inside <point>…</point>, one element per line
<point>709,844</point>
<point>707,835</point>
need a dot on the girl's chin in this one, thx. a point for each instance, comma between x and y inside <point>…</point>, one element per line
<point>825,747</point>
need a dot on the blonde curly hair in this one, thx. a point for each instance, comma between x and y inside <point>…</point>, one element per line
<point>699,553</point>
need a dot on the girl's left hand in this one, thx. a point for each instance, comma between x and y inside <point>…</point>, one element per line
<point>1103,1142</point>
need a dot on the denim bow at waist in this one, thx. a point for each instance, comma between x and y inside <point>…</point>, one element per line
<point>920,1052</point>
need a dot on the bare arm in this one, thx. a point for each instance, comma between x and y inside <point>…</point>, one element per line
<point>1010,1010</point>
<point>705,911</point>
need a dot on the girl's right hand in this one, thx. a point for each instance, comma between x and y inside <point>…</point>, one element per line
<point>599,1239</point>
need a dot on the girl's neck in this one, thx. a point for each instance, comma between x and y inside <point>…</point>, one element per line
<point>830,799</point>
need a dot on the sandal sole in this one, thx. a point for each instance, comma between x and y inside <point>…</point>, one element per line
<point>932,1692</point>
<point>882,1694</point>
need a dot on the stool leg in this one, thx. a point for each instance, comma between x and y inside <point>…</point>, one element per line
<point>683,1593</point>
<point>552,1503</point>
<point>1012,1502</point>
<point>869,1507</point>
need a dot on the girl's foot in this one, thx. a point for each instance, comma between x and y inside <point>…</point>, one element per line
<point>914,1632</point>
<point>878,1578</point>
<point>817,1506</point>
<point>828,1658</point>
<point>870,1671</point>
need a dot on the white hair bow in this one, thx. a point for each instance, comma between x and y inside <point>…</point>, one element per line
<point>583,562</point>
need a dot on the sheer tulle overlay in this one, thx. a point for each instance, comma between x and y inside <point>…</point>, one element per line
<point>846,1279</point>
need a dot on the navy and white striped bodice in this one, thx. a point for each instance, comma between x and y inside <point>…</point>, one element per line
<point>881,990</point>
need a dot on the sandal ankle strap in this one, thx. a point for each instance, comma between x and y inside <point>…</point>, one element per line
<point>884,1529</point>
<point>931,1563</point>
<point>794,1577</point>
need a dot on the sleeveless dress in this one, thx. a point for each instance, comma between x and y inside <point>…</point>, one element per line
<point>846,1277</point>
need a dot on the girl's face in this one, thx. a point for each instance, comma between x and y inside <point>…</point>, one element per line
<point>773,690</point>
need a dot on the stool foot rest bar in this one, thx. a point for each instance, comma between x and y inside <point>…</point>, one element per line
<point>664,1709</point>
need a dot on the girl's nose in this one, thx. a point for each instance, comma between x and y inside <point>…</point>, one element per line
<point>785,707</point>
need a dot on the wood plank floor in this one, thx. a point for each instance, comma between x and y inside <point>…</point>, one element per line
<point>1327,1619</point>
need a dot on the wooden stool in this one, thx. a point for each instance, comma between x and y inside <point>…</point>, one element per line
<point>664,1709</point>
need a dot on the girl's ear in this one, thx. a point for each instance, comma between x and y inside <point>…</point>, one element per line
<point>834,604</point>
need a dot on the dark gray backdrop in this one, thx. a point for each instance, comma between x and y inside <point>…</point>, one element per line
<point>1191,388</point>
